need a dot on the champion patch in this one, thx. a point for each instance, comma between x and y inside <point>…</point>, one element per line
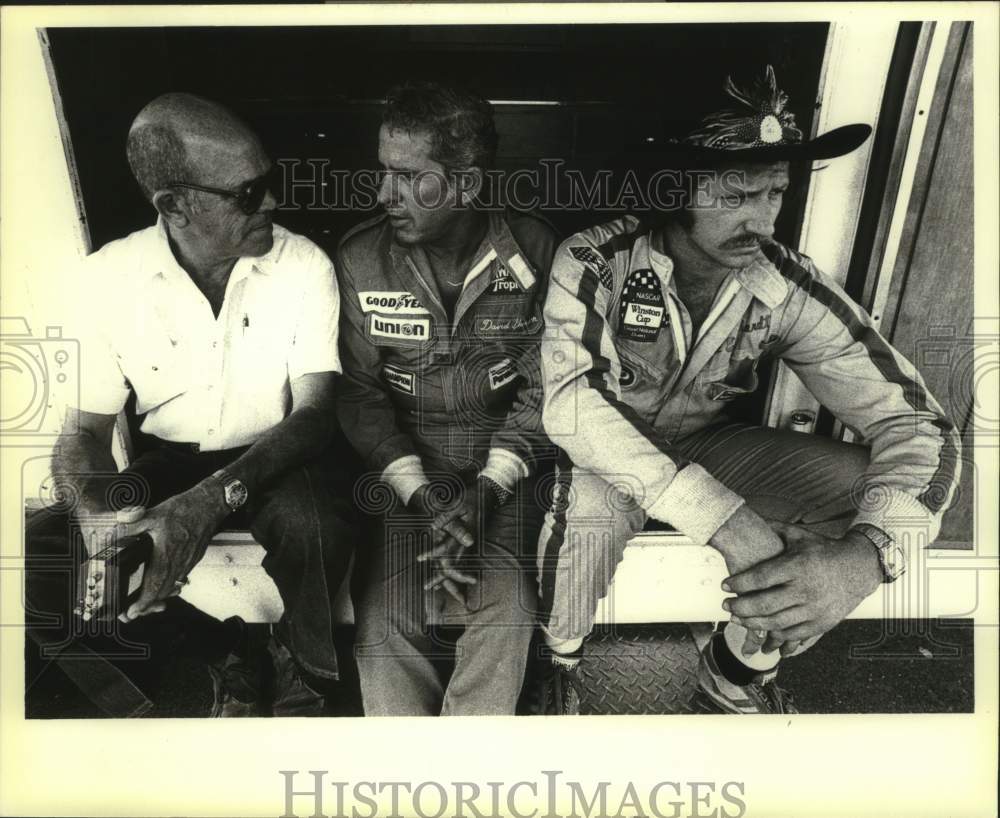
<point>642,311</point>
<point>503,281</point>
<point>391,302</point>
<point>596,262</point>
<point>406,331</point>
<point>398,379</point>
<point>502,374</point>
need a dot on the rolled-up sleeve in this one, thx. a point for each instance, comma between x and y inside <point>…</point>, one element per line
<point>314,348</point>
<point>104,388</point>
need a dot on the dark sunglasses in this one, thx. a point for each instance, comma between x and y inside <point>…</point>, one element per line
<point>250,197</point>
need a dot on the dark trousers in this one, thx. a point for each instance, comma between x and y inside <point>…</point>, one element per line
<point>303,519</point>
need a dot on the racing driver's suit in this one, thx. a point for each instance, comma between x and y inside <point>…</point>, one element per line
<point>638,408</point>
<point>428,396</point>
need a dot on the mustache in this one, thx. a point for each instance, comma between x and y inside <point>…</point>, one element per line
<point>747,240</point>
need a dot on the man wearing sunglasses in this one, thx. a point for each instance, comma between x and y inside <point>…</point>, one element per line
<point>224,327</point>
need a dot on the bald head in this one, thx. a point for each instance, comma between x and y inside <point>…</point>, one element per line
<point>174,135</point>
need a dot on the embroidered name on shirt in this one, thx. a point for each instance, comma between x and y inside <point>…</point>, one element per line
<point>492,325</point>
<point>762,323</point>
<point>390,301</point>
<point>642,311</point>
<point>502,374</point>
<point>398,379</point>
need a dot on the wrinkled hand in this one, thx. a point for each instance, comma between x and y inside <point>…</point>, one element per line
<point>454,531</point>
<point>806,590</point>
<point>100,531</point>
<point>180,528</point>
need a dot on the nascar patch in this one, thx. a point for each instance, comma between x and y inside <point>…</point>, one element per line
<point>391,302</point>
<point>398,329</point>
<point>642,311</point>
<point>398,379</point>
<point>502,374</point>
<point>596,262</point>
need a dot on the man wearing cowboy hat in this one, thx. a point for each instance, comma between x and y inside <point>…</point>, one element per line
<point>651,332</point>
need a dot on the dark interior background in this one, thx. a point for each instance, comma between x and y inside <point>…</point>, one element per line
<point>314,93</point>
<point>594,96</point>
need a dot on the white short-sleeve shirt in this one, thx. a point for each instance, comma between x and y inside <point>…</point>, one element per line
<point>218,382</point>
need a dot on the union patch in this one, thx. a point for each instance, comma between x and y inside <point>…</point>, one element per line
<point>398,330</point>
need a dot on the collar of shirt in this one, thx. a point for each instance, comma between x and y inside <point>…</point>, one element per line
<point>760,277</point>
<point>159,259</point>
<point>498,244</point>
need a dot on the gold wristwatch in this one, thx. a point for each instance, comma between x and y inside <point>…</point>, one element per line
<point>890,556</point>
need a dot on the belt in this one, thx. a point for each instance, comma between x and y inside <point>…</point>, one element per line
<point>187,448</point>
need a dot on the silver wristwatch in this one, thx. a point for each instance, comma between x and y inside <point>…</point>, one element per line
<point>233,491</point>
<point>890,556</point>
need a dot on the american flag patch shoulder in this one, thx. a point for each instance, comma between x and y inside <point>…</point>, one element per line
<point>596,262</point>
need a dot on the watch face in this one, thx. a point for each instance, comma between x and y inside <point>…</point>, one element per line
<point>236,494</point>
<point>894,561</point>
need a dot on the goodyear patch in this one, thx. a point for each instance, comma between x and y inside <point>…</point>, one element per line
<point>400,330</point>
<point>502,374</point>
<point>391,302</point>
<point>642,312</point>
<point>398,379</point>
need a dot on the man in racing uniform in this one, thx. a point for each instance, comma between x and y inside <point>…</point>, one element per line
<point>441,321</point>
<point>650,331</point>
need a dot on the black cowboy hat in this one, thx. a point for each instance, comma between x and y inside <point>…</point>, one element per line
<point>756,127</point>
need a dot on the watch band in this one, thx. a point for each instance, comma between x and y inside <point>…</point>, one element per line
<point>891,558</point>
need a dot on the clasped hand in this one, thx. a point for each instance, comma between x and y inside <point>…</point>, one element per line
<point>454,530</point>
<point>804,591</point>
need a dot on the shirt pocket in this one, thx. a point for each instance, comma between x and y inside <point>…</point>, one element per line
<point>737,378</point>
<point>157,373</point>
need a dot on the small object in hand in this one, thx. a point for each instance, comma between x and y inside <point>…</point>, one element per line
<point>113,577</point>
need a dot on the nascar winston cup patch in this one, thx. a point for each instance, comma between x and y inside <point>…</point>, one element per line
<point>642,311</point>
